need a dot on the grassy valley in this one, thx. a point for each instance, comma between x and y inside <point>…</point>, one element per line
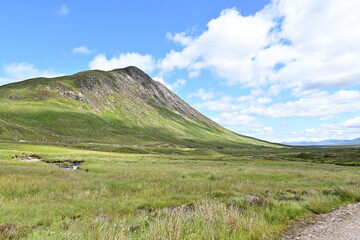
<point>196,195</point>
<point>123,107</point>
<point>151,167</point>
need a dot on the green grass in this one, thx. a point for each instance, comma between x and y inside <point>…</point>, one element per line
<point>39,111</point>
<point>340,156</point>
<point>164,193</point>
<point>148,172</point>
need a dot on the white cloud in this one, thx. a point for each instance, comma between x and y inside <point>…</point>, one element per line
<point>21,71</point>
<point>267,133</point>
<point>160,80</point>
<point>320,104</point>
<point>310,130</point>
<point>181,38</point>
<point>352,123</point>
<point>264,100</point>
<point>349,129</point>
<point>228,103</point>
<point>203,95</point>
<point>328,117</point>
<point>269,129</point>
<point>324,37</point>
<point>144,62</point>
<point>172,86</point>
<point>81,50</point>
<point>223,104</point>
<point>236,119</point>
<point>289,44</point>
<point>63,10</point>
<point>315,103</point>
<point>228,47</point>
<point>177,84</point>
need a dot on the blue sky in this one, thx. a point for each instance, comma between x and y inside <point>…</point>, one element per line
<point>281,70</point>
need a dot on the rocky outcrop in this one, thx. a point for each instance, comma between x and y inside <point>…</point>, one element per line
<point>132,81</point>
<point>78,96</point>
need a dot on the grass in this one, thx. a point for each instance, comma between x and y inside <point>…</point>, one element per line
<point>39,111</point>
<point>148,172</point>
<point>339,156</point>
<point>193,194</point>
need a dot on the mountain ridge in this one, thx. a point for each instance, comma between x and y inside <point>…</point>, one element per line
<point>324,142</point>
<point>118,106</point>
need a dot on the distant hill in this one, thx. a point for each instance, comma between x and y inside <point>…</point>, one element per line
<point>122,106</point>
<point>324,142</point>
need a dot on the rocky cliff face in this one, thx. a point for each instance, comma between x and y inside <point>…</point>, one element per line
<point>128,82</point>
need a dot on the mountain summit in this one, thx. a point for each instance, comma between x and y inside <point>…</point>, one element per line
<point>122,106</point>
<point>132,82</point>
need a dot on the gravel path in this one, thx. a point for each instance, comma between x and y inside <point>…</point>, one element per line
<point>341,224</point>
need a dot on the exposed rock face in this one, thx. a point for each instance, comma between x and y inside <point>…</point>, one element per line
<point>76,96</point>
<point>132,81</point>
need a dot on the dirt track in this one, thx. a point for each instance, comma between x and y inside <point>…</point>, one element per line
<point>341,224</point>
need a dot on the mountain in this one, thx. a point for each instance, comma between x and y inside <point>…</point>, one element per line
<point>324,142</point>
<point>122,106</point>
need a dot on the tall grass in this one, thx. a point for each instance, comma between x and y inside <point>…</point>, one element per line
<point>322,204</point>
<point>207,219</point>
<point>135,196</point>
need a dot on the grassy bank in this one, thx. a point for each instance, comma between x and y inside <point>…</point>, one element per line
<point>193,194</point>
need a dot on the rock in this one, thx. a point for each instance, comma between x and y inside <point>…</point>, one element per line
<point>77,97</point>
<point>255,200</point>
<point>14,97</point>
<point>30,159</point>
<point>7,230</point>
<point>133,228</point>
<point>97,86</point>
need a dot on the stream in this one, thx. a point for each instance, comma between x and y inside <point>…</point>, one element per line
<point>70,165</point>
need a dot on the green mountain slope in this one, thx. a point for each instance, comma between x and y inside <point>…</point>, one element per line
<point>123,106</point>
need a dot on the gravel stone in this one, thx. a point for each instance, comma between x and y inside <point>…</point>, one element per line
<point>341,224</point>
